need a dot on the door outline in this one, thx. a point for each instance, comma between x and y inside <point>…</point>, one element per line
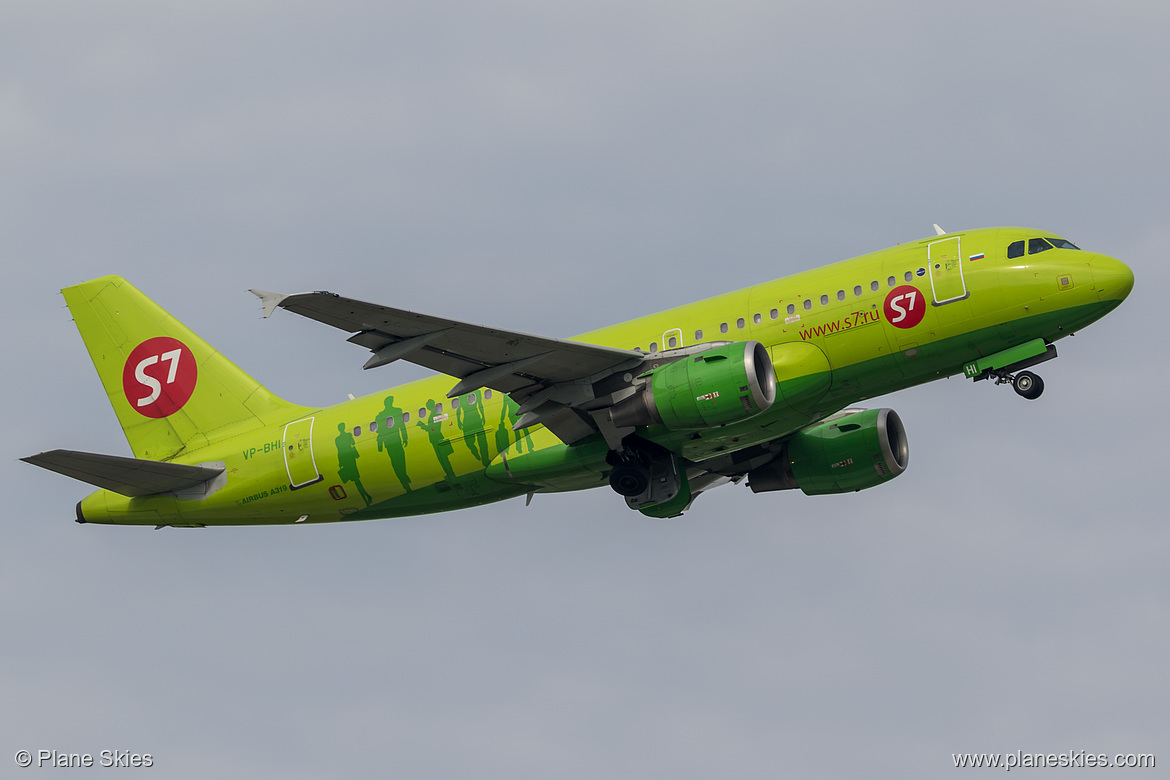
<point>312,458</point>
<point>666,338</point>
<point>930,270</point>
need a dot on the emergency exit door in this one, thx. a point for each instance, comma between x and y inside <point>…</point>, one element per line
<point>944,261</point>
<point>298,454</point>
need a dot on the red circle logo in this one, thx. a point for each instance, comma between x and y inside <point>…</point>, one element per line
<point>159,376</point>
<point>905,306</point>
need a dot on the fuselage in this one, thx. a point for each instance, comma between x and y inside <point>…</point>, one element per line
<point>867,326</point>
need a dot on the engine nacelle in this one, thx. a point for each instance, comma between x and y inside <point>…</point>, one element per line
<point>840,455</point>
<point>725,384</point>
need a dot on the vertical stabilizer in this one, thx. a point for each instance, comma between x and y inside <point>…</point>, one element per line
<point>171,391</point>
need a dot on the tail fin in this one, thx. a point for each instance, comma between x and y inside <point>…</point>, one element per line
<point>171,391</point>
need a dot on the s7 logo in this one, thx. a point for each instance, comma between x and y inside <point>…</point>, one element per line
<point>159,376</point>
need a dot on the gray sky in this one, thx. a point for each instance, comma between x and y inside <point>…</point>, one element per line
<point>553,169</point>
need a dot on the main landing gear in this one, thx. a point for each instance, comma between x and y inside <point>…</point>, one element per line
<point>1025,383</point>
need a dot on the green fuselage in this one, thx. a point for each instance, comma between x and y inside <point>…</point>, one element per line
<point>838,334</point>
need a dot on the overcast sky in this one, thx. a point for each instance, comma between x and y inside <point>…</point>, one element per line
<point>553,169</point>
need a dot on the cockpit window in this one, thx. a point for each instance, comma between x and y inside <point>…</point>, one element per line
<point>1015,249</point>
<point>1038,245</point>
<point>1060,243</point>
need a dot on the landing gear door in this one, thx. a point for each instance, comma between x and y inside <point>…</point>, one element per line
<point>298,454</point>
<point>944,261</point>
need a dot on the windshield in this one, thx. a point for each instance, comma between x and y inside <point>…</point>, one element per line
<point>1060,243</point>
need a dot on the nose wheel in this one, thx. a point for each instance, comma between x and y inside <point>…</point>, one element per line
<point>1025,383</point>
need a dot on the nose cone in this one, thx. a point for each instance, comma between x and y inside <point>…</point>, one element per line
<point>1113,278</point>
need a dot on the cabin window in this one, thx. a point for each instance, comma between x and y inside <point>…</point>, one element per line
<point>389,422</point>
<point>739,323</point>
<point>840,295</point>
<point>471,398</point>
<point>698,335</point>
<point>857,291</point>
<point>874,286</point>
<point>1036,245</point>
<point>892,281</point>
<point>357,430</point>
<point>774,313</point>
<point>723,327</point>
<point>487,394</point>
<point>654,346</point>
<point>1015,249</point>
<point>454,403</point>
<point>438,408</point>
<point>374,426</point>
<point>791,308</point>
<point>406,417</point>
<point>824,300</point>
<point>807,304</point>
<point>673,342</point>
<point>757,318</point>
<point>422,413</point>
<point>910,276</point>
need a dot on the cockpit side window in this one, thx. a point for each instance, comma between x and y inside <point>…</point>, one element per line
<point>1038,245</point>
<point>1060,243</point>
<point>1015,249</point>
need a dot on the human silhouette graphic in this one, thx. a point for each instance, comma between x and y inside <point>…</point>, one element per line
<point>470,418</point>
<point>347,455</point>
<point>443,448</point>
<point>392,439</point>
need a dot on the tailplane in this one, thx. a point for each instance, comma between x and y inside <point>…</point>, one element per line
<point>171,390</point>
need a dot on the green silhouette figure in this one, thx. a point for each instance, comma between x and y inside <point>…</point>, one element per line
<point>347,456</point>
<point>443,448</point>
<point>509,414</point>
<point>470,418</point>
<point>392,440</point>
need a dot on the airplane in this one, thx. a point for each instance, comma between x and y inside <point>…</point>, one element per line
<point>757,384</point>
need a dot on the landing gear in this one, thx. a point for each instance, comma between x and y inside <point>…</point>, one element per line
<point>1028,385</point>
<point>1025,383</point>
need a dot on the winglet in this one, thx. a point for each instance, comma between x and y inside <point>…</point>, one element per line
<point>268,300</point>
<point>937,231</point>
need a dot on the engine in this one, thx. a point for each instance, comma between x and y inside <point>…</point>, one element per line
<point>725,384</point>
<point>846,453</point>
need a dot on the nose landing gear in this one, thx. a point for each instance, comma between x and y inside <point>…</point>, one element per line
<point>1025,383</point>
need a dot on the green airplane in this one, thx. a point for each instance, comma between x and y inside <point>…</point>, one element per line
<point>756,384</point>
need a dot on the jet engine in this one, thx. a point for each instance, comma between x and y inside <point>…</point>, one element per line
<point>725,384</point>
<point>846,453</point>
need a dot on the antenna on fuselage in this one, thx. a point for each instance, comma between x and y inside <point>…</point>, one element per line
<point>939,231</point>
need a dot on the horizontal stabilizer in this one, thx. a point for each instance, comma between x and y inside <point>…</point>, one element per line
<point>128,476</point>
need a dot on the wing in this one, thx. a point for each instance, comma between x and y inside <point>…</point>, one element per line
<point>556,382</point>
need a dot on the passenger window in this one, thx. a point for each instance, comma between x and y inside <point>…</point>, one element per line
<point>374,426</point>
<point>892,281</point>
<point>471,398</point>
<point>1038,245</point>
<point>840,295</point>
<point>739,323</point>
<point>873,286</point>
<point>673,342</point>
<point>357,430</point>
<point>857,291</point>
<point>791,308</point>
<point>438,408</point>
<point>406,417</point>
<point>1015,249</point>
<point>774,313</point>
<point>698,335</point>
<point>807,304</point>
<point>756,319</point>
<point>454,403</point>
<point>389,422</point>
<point>654,346</point>
<point>824,300</point>
<point>723,327</point>
<point>422,413</point>
<point>487,394</point>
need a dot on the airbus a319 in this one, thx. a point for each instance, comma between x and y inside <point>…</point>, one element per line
<point>757,384</point>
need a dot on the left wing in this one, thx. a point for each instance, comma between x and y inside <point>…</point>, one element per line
<point>565,385</point>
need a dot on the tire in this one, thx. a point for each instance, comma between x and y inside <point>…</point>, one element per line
<point>629,480</point>
<point>1028,385</point>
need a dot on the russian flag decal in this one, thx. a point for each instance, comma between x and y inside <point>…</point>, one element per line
<point>976,257</point>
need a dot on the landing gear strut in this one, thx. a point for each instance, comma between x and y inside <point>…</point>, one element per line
<point>1025,383</point>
